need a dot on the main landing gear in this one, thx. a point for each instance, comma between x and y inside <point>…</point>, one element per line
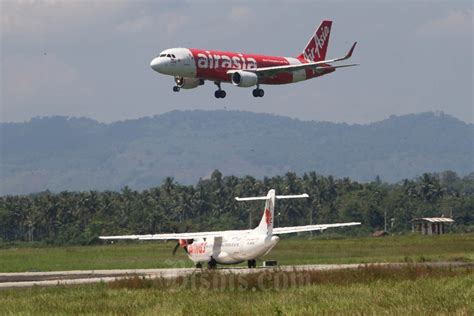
<point>199,265</point>
<point>258,92</point>
<point>220,94</point>
<point>212,264</point>
<point>252,263</point>
<point>176,89</point>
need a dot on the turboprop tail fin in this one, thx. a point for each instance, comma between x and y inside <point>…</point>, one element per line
<point>266,223</point>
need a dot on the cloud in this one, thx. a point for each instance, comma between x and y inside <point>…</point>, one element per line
<point>170,22</point>
<point>32,76</point>
<point>175,22</point>
<point>44,84</point>
<point>241,14</point>
<point>136,25</point>
<point>49,17</point>
<point>456,22</point>
<point>39,85</point>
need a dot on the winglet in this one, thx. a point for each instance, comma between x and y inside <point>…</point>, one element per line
<point>349,54</point>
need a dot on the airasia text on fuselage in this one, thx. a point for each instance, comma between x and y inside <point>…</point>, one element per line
<point>210,60</point>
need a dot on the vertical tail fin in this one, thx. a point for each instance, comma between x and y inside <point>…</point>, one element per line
<point>266,223</point>
<point>317,46</point>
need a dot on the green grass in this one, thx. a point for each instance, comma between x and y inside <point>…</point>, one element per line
<point>412,248</point>
<point>363,291</point>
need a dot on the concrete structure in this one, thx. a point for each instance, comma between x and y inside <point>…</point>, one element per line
<point>431,225</point>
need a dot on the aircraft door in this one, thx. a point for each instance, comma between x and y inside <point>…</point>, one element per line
<point>172,60</point>
<point>187,60</point>
<point>217,247</point>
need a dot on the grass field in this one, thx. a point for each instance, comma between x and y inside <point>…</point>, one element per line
<point>411,248</point>
<point>375,291</point>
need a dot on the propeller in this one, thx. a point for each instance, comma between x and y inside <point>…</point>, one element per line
<point>183,242</point>
<point>175,248</point>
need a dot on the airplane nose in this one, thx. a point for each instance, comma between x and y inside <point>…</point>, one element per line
<point>156,64</point>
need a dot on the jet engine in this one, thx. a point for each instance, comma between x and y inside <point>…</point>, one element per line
<point>188,83</point>
<point>244,78</point>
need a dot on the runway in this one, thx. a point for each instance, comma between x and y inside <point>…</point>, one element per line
<point>54,278</point>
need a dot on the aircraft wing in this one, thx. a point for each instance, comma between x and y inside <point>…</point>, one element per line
<point>307,228</point>
<point>318,65</point>
<point>171,236</point>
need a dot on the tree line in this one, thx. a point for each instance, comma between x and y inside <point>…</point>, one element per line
<point>80,217</point>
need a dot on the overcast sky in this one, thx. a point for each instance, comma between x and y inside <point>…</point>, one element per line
<point>91,58</point>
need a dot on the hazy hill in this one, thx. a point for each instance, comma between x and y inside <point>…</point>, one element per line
<point>60,153</point>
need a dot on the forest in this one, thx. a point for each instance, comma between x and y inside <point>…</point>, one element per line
<point>80,217</point>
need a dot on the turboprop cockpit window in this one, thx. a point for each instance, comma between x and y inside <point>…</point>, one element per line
<point>172,56</point>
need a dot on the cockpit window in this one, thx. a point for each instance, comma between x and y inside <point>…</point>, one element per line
<point>167,55</point>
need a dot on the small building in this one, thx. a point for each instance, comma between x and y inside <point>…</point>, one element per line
<point>431,225</point>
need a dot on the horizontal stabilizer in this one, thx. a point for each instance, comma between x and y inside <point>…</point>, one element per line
<point>299,196</point>
<point>339,66</point>
<point>279,197</point>
<point>256,198</point>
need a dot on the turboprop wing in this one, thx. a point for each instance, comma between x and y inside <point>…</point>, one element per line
<point>175,236</point>
<point>307,228</point>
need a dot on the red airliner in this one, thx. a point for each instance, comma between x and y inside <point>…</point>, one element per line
<point>190,67</point>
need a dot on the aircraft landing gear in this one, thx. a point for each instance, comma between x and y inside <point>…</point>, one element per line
<point>252,263</point>
<point>212,264</point>
<point>179,83</point>
<point>258,92</point>
<point>219,94</point>
<point>199,265</point>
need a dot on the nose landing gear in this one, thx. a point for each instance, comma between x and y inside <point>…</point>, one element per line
<point>219,94</point>
<point>179,83</point>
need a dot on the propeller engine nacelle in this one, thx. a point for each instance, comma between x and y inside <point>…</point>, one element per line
<point>188,83</point>
<point>183,243</point>
<point>244,79</point>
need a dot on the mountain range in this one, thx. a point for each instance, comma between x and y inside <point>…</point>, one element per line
<point>63,153</point>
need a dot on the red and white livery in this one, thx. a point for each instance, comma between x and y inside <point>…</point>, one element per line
<point>235,246</point>
<point>191,67</point>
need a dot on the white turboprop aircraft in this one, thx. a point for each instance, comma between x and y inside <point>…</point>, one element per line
<point>235,246</point>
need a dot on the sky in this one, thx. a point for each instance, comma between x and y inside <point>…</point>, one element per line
<point>91,58</point>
